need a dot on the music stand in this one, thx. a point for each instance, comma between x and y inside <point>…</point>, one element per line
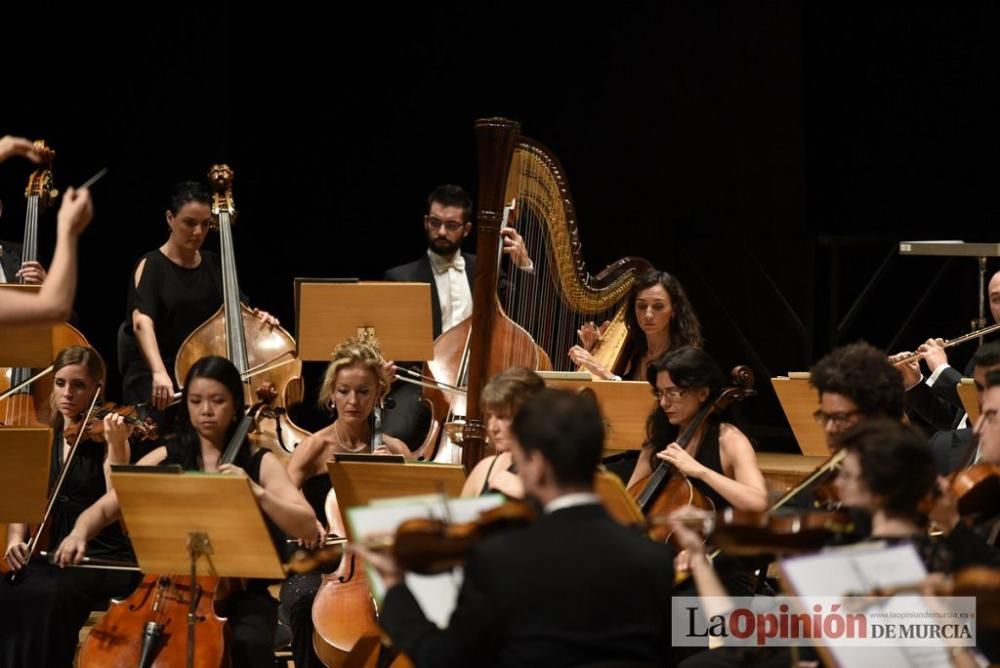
<point>25,346</point>
<point>957,248</point>
<point>24,473</point>
<point>178,521</point>
<point>397,314</point>
<point>798,401</point>
<point>360,483</point>
<point>625,405</point>
<point>970,399</point>
<point>616,500</point>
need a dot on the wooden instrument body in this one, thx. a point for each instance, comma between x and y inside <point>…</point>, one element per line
<point>265,344</point>
<point>116,640</point>
<point>33,408</point>
<point>343,611</point>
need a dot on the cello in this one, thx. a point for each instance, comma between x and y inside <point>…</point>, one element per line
<point>666,490</point>
<point>343,611</point>
<point>262,353</point>
<point>29,406</point>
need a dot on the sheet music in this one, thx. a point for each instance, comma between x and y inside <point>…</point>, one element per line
<point>436,594</point>
<point>858,570</point>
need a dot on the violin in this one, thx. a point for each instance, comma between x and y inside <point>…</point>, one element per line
<point>743,533</point>
<point>429,547</point>
<point>93,425</point>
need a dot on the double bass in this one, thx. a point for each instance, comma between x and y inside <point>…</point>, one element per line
<point>30,406</point>
<point>263,354</point>
<point>488,341</point>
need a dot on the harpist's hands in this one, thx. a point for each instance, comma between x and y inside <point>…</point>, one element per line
<point>384,563</point>
<point>582,358</point>
<point>513,245</point>
<point>266,317</point>
<point>590,333</point>
<point>71,550</point>
<point>682,461</point>
<point>16,555</point>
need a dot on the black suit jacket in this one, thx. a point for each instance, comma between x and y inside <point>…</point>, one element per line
<point>574,589</point>
<point>11,260</point>
<point>420,271</point>
<point>949,448</point>
<point>939,405</point>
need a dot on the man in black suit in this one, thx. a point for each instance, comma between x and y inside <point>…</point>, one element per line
<point>573,589</point>
<point>951,445</point>
<point>934,398</point>
<point>450,273</point>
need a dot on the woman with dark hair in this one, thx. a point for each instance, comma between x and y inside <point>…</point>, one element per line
<point>502,397</point>
<point>211,406</point>
<point>658,317</point>
<point>40,618</point>
<point>173,290</point>
<point>719,459</point>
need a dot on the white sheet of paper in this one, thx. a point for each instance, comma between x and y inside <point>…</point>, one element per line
<point>436,594</point>
<point>856,570</point>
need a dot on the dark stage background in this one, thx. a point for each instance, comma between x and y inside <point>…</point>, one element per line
<point>771,154</point>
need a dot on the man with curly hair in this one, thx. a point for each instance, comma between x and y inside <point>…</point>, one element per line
<point>855,383</point>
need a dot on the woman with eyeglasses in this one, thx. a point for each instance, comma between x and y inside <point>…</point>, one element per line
<point>719,460</point>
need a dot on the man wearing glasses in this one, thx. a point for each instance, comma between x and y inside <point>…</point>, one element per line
<point>450,271</point>
<point>855,382</point>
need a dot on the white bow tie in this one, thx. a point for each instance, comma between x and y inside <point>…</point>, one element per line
<point>442,265</point>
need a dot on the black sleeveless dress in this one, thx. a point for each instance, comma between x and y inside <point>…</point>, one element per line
<point>40,618</point>
<point>298,591</point>
<point>253,612</point>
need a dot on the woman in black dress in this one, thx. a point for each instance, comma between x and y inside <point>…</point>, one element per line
<point>173,290</point>
<point>41,616</point>
<point>210,410</point>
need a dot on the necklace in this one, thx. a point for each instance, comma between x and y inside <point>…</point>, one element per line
<point>340,441</point>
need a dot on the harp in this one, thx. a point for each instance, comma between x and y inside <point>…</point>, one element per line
<point>552,302</point>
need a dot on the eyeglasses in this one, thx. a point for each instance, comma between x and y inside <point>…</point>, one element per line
<point>672,393</point>
<point>449,225</point>
<point>838,419</point>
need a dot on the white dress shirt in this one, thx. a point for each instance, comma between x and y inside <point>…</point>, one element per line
<point>453,289</point>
